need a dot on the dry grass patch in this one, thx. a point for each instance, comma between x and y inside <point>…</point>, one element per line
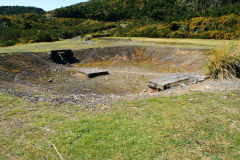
<point>225,62</point>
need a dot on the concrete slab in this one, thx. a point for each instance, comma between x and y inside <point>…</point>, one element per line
<point>166,81</point>
<point>93,72</point>
<point>200,78</point>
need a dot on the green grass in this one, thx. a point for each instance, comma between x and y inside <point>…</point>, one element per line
<point>156,42</point>
<point>192,126</point>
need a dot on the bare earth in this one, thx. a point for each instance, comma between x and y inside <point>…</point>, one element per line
<point>34,77</point>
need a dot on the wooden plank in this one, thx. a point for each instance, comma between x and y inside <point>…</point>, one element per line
<point>164,82</point>
<point>93,72</point>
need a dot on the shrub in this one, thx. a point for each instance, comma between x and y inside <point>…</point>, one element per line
<point>225,63</point>
<point>99,34</point>
<point>204,35</point>
<point>31,41</point>
<point>43,37</point>
<point>164,31</point>
<point>174,26</point>
<point>216,34</point>
<point>178,34</point>
<point>8,43</point>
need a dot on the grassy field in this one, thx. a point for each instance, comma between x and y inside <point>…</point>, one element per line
<point>48,46</point>
<point>192,126</point>
<point>95,43</point>
<point>174,41</point>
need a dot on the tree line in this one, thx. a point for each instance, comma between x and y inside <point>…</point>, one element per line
<point>10,10</point>
<point>161,10</point>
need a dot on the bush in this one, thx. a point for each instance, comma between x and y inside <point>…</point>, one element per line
<point>225,63</point>
<point>216,34</point>
<point>178,34</point>
<point>99,34</point>
<point>44,37</point>
<point>164,32</point>
<point>31,41</point>
<point>174,26</point>
<point>8,43</point>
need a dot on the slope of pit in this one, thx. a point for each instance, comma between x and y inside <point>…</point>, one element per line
<point>130,69</point>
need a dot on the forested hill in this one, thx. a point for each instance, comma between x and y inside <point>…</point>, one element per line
<point>163,10</point>
<point>9,10</point>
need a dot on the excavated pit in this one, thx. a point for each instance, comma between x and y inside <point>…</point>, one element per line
<point>130,68</point>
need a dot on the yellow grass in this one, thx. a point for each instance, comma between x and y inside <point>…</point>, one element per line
<point>204,42</point>
<point>225,62</point>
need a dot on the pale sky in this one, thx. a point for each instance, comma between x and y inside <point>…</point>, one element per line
<point>47,5</point>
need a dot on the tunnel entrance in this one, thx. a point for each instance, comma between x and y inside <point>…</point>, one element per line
<point>63,57</point>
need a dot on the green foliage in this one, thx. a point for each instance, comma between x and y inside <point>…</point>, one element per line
<point>144,18</point>
<point>44,37</point>
<point>161,10</point>
<point>40,28</point>
<point>8,10</point>
<point>224,27</point>
<point>8,43</point>
<point>178,34</point>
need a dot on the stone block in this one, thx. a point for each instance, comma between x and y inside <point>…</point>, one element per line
<point>93,72</point>
<point>167,81</point>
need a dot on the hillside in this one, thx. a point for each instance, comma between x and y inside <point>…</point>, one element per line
<point>30,28</point>
<point>164,10</point>
<point>9,10</point>
<point>215,19</point>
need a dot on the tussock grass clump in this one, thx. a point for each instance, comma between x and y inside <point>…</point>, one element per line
<point>225,62</point>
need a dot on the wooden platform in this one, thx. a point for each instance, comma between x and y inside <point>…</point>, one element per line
<point>166,81</point>
<point>93,72</point>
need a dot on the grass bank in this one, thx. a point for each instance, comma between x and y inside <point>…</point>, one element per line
<point>192,126</point>
<point>212,43</point>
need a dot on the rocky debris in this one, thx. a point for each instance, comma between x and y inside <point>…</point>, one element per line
<point>88,100</point>
<point>6,76</point>
<point>199,78</point>
<point>93,72</point>
<point>194,79</point>
<point>178,79</point>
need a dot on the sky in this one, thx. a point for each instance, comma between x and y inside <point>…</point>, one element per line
<point>47,5</point>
